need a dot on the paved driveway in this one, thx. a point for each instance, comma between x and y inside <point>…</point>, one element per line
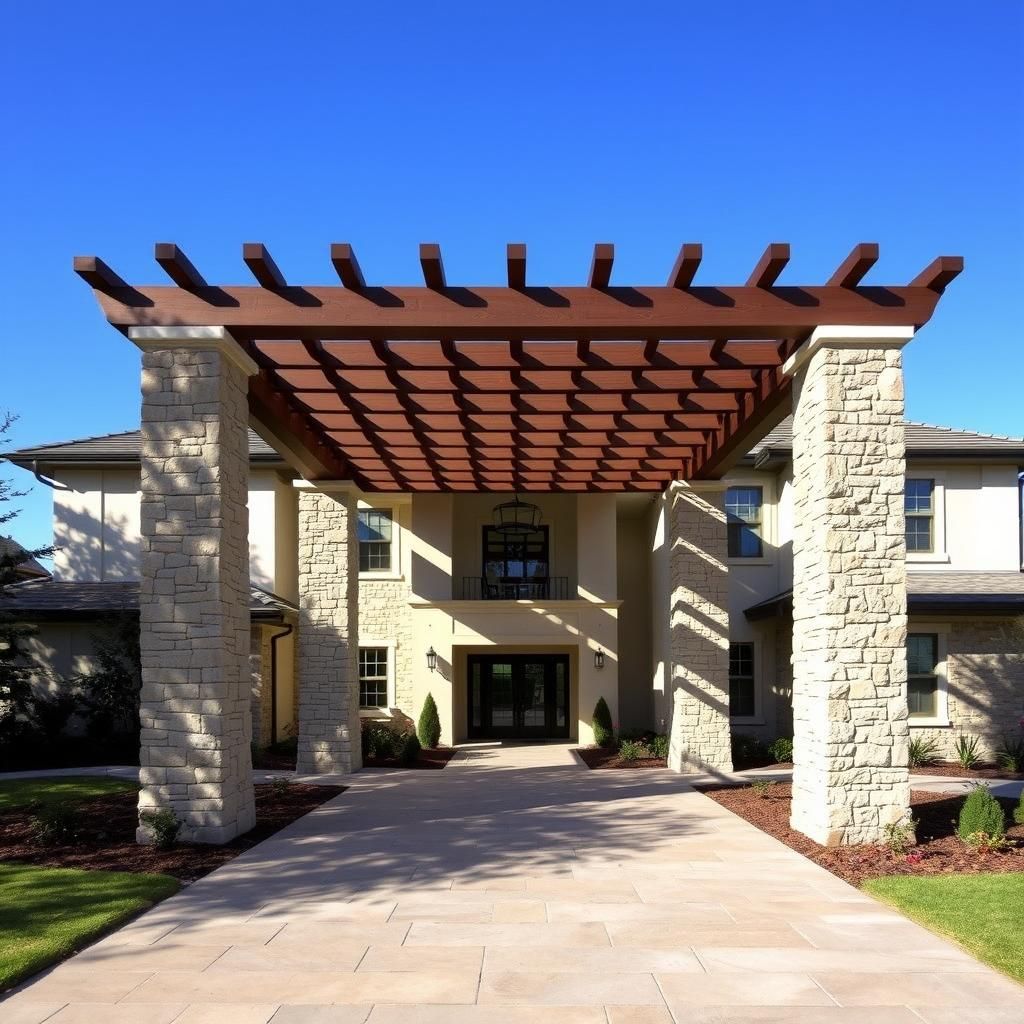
<point>516,886</point>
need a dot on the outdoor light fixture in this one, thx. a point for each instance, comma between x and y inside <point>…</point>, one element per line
<point>516,517</point>
<point>431,659</point>
<point>599,658</point>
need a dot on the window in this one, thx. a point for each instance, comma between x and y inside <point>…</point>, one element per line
<point>375,532</point>
<point>743,513</point>
<point>742,703</point>
<point>373,677</point>
<point>919,507</point>
<point>923,675</point>
<point>517,557</point>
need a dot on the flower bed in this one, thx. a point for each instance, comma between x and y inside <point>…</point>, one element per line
<point>938,849</point>
<point>983,771</point>
<point>609,757</point>
<point>426,760</point>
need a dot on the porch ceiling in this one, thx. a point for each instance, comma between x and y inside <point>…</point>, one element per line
<point>445,388</point>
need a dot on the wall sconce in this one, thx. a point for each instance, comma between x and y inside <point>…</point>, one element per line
<point>432,659</point>
<point>599,658</point>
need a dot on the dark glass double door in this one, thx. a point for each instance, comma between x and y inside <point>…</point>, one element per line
<point>518,696</point>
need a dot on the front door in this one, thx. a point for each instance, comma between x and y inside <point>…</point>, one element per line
<point>518,696</point>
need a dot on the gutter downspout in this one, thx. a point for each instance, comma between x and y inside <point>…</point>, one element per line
<point>287,631</point>
<point>54,484</point>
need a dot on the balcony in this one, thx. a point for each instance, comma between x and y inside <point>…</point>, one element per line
<point>515,588</point>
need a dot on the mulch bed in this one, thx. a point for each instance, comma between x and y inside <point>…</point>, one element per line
<point>606,757</point>
<point>985,771</point>
<point>106,838</point>
<point>939,851</point>
<point>429,760</point>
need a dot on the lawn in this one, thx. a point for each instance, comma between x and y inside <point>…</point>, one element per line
<point>984,913</point>
<point>16,793</point>
<point>48,913</point>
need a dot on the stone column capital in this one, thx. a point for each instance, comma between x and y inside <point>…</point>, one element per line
<point>198,339</point>
<point>843,336</point>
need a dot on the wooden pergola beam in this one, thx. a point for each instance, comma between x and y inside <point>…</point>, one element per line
<point>937,275</point>
<point>515,258</point>
<point>773,261</point>
<point>852,270</point>
<point>347,266</point>
<point>433,267</point>
<point>178,267</point>
<point>263,267</point>
<point>601,265</point>
<point>687,262</point>
<point>98,276</point>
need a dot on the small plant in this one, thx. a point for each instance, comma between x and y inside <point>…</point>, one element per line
<point>280,785</point>
<point>922,751</point>
<point>900,836</point>
<point>409,752</point>
<point>763,788</point>
<point>1018,811</point>
<point>985,843</point>
<point>781,750</point>
<point>163,826</point>
<point>604,735</point>
<point>968,751</point>
<point>914,857</point>
<point>981,812</point>
<point>634,750</point>
<point>1010,754</point>
<point>659,746</point>
<point>429,727</point>
<point>748,752</point>
<point>54,824</point>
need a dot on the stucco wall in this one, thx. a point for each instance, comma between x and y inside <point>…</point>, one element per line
<point>636,701</point>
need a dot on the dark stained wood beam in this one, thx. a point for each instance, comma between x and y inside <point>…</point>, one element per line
<point>852,270</point>
<point>601,265</point>
<point>433,267</point>
<point>685,267</point>
<point>347,266</point>
<point>770,266</point>
<point>937,275</point>
<point>96,274</point>
<point>177,266</point>
<point>515,257</point>
<point>262,265</point>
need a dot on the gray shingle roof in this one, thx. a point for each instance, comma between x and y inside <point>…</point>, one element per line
<point>923,439</point>
<point>123,447</point>
<point>55,599</point>
<point>975,593</point>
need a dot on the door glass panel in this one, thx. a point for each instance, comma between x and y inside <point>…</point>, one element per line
<point>561,701</point>
<point>533,695</point>
<point>475,697</point>
<point>502,699</point>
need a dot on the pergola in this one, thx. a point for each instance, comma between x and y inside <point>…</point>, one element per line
<point>442,387</point>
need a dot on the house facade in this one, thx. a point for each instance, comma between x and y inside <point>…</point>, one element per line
<point>528,629</point>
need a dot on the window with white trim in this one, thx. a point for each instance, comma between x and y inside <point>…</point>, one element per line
<point>919,511</point>
<point>923,675</point>
<point>373,677</point>
<point>376,533</point>
<point>742,690</point>
<point>743,512</point>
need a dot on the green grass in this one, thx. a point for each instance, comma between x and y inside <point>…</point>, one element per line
<point>16,793</point>
<point>981,912</point>
<point>48,913</point>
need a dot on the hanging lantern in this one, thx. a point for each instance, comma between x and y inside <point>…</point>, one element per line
<point>516,517</point>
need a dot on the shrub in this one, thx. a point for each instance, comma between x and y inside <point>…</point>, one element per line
<point>634,750</point>
<point>748,751</point>
<point>163,826</point>
<point>762,788</point>
<point>981,812</point>
<point>781,750</point>
<point>984,843</point>
<point>382,741</point>
<point>968,751</point>
<point>409,749</point>
<point>54,824</point>
<point>604,736</point>
<point>280,785</point>
<point>1018,811</point>
<point>429,728</point>
<point>659,746</point>
<point>900,836</point>
<point>1010,755</point>
<point>922,751</point>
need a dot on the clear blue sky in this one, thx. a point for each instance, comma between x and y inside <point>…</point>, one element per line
<point>557,124</point>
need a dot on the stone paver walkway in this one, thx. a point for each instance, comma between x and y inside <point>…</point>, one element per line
<point>516,886</point>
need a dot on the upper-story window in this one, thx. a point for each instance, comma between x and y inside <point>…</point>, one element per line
<point>743,511</point>
<point>376,532</point>
<point>919,509</point>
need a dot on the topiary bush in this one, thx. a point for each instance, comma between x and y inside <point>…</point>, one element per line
<point>409,751</point>
<point>429,727</point>
<point>1018,811</point>
<point>782,750</point>
<point>981,812</point>
<point>604,734</point>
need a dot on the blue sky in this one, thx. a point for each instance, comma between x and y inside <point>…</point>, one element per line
<point>733,124</point>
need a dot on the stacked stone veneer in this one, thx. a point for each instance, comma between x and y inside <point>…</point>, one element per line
<point>699,629</point>
<point>849,595</point>
<point>328,642</point>
<point>385,617</point>
<point>194,594</point>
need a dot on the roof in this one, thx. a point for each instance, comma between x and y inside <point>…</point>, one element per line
<point>28,566</point>
<point>956,592</point>
<point>123,447</point>
<point>83,599</point>
<point>923,440</point>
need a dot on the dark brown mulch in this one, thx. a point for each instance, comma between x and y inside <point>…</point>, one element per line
<point>939,851</point>
<point>984,771</point>
<point>606,757</point>
<point>428,760</point>
<point>106,834</point>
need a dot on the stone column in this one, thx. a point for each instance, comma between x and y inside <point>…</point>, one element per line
<point>849,585</point>
<point>328,645</point>
<point>699,630</point>
<point>194,588</point>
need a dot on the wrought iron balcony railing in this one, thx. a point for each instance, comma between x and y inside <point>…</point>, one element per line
<point>510,588</point>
